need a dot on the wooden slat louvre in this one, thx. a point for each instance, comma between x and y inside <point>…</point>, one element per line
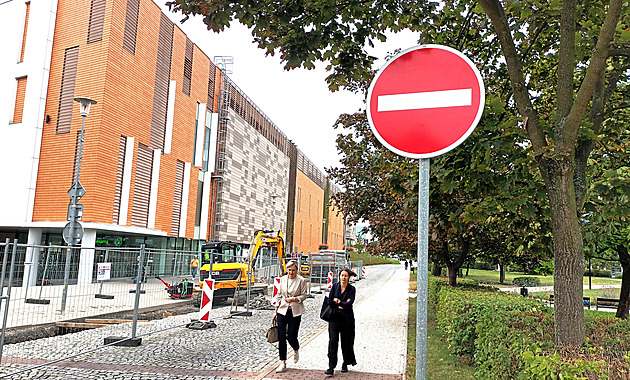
<point>188,63</point>
<point>142,187</point>
<point>162,75</point>
<point>97,20</point>
<point>26,17</point>
<point>177,197</point>
<point>211,84</point>
<point>66,93</point>
<point>131,26</point>
<point>18,111</point>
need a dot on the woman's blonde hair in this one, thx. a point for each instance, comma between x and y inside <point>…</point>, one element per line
<point>292,263</point>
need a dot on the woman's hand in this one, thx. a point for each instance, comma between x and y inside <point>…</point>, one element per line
<point>337,300</point>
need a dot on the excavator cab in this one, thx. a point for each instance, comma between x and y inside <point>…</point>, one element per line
<point>224,262</point>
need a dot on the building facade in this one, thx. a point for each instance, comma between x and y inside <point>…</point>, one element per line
<point>174,153</point>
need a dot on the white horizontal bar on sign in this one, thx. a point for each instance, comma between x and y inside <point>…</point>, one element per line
<point>424,100</point>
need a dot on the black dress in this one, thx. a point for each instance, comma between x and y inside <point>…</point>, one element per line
<point>341,325</point>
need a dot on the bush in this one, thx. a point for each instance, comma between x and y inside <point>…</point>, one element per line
<point>599,273</point>
<point>482,265</point>
<point>511,337</point>
<point>526,281</point>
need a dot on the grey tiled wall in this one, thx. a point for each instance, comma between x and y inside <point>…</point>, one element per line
<point>255,169</point>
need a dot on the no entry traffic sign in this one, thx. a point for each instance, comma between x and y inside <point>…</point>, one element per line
<point>425,101</point>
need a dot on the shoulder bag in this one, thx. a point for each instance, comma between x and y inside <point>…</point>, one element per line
<point>327,311</point>
<point>272,332</point>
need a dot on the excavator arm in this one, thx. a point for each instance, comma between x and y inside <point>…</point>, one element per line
<point>267,238</point>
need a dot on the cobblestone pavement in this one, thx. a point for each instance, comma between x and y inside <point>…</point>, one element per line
<point>235,349</point>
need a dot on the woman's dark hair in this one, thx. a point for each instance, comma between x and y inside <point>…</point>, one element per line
<point>349,271</point>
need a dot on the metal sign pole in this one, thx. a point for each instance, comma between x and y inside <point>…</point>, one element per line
<point>423,269</point>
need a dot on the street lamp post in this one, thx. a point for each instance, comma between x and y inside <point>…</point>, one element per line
<point>73,231</point>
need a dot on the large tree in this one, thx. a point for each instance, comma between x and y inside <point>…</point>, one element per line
<point>555,55</point>
<point>606,222</point>
<point>485,185</point>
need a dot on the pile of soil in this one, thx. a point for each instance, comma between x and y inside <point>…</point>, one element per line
<point>26,333</point>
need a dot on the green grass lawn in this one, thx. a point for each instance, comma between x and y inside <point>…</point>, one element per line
<point>605,293</point>
<point>371,260</point>
<point>441,365</point>
<point>492,277</point>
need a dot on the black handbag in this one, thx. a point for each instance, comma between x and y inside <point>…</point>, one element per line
<point>272,332</point>
<point>327,311</point>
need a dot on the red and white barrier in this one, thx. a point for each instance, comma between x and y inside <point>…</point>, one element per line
<point>206,300</point>
<point>363,273</point>
<point>330,280</point>
<point>276,289</point>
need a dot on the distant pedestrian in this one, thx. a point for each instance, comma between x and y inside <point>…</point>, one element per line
<point>406,264</point>
<point>194,267</point>
<point>291,294</point>
<point>342,326</point>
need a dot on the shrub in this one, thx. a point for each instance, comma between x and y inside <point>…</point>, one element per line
<point>482,265</point>
<point>526,281</point>
<point>599,273</point>
<point>511,337</point>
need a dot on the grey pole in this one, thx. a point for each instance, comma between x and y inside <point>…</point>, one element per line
<point>423,269</point>
<point>28,279</point>
<point>136,305</point>
<point>41,287</point>
<point>66,276</point>
<point>73,221</point>
<point>7,298</point>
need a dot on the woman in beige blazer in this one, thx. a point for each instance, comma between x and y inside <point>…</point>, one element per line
<point>289,309</point>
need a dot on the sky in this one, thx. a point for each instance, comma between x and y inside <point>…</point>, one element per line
<point>297,101</point>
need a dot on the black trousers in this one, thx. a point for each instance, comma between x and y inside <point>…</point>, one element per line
<point>288,328</point>
<point>341,328</point>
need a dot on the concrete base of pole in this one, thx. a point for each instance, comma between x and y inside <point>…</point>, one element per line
<point>134,290</point>
<point>201,325</point>
<point>241,313</point>
<point>104,296</point>
<point>37,301</point>
<point>123,341</point>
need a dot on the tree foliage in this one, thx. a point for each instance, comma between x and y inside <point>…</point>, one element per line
<point>551,58</point>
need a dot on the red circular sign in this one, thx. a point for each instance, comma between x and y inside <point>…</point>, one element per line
<point>425,101</point>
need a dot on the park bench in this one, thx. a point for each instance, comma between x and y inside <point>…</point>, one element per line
<point>586,300</point>
<point>606,302</point>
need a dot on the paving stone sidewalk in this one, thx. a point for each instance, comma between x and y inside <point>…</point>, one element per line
<point>236,349</point>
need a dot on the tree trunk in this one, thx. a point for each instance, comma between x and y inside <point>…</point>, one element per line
<point>501,273</point>
<point>452,275</point>
<point>624,296</point>
<point>437,269</point>
<point>568,252</point>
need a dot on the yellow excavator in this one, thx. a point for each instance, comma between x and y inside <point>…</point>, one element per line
<point>223,262</point>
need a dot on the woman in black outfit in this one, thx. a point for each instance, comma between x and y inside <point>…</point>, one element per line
<point>341,297</point>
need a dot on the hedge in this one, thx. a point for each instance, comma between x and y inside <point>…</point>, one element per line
<point>507,336</point>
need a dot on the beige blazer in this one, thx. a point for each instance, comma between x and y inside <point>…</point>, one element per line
<point>298,289</point>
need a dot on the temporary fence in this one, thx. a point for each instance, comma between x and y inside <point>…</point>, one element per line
<point>41,291</point>
<point>60,287</point>
<point>319,270</point>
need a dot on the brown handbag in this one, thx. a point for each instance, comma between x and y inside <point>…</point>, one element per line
<point>272,332</point>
